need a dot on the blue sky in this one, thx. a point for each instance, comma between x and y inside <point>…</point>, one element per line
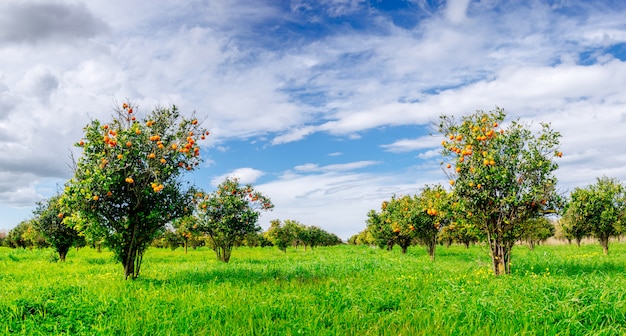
<point>325,105</point>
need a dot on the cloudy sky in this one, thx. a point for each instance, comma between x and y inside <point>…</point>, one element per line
<point>324,105</point>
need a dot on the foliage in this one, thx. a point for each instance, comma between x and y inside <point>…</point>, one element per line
<point>403,220</point>
<point>229,214</point>
<point>573,229</point>
<point>380,229</point>
<point>3,238</point>
<point>460,231</point>
<point>126,185</point>
<point>537,230</point>
<point>184,228</point>
<point>26,235</point>
<point>292,232</point>
<point>256,239</point>
<point>599,209</point>
<point>49,221</point>
<point>363,238</point>
<point>502,176</point>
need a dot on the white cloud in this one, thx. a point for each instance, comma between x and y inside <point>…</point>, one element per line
<point>455,10</point>
<point>313,167</point>
<point>408,145</point>
<point>245,176</point>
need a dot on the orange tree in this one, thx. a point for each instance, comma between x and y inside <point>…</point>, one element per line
<point>228,214</point>
<point>379,227</point>
<point>599,209</point>
<point>407,218</point>
<point>501,176</point>
<point>126,185</point>
<point>48,221</point>
<point>185,229</point>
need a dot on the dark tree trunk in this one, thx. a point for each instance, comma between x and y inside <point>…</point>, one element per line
<point>431,249</point>
<point>604,241</point>
<point>63,252</point>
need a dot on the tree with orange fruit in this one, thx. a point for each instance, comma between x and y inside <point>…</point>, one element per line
<point>501,176</point>
<point>48,221</point>
<point>228,214</point>
<point>126,185</point>
<point>403,220</point>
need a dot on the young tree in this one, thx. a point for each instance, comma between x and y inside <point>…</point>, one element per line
<point>501,176</point>
<point>573,229</point>
<point>229,214</point>
<point>126,185</point>
<point>380,229</point>
<point>49,221</point>
<point>601,208</point>
<point>185,227</point>
<point>537,230</point>
<point>279,235</point>
<point>15,238</point>
<point>314,236</point>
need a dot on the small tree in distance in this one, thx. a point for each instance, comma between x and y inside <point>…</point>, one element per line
<point>49,221</point>
<point>599,209</point>
<point>229,214</point>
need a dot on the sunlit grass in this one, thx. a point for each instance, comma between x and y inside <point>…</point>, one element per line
<point>343,290</point>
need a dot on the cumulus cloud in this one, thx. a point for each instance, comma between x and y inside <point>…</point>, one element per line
<point>245,175</point>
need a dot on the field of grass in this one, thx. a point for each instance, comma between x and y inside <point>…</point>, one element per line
<point>342,290</point>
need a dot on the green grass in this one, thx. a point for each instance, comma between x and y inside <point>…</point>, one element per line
<point>342,290</point>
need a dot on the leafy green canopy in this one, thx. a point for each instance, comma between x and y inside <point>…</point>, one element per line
<point>229,214</point>
<point>502,176</point>
<point>49,221</point>
<point>598,209</point>
<point>126,184</point>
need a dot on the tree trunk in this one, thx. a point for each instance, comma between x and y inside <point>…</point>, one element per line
<point>431,249</point>
<point>578,241</point>
<point>404,248</point>
<point>604,241</point>
<point>223,252</point>
<point>63,252</point>
<point>500,254</point>
<point>186,243</point>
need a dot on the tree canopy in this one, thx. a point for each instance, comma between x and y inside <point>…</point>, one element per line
<point>126,185</point>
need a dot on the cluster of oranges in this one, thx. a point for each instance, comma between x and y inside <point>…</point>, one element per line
<point>156,187</point>
<point>110,137</point>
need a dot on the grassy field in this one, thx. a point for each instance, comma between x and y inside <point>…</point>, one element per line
<point>342,290</point>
